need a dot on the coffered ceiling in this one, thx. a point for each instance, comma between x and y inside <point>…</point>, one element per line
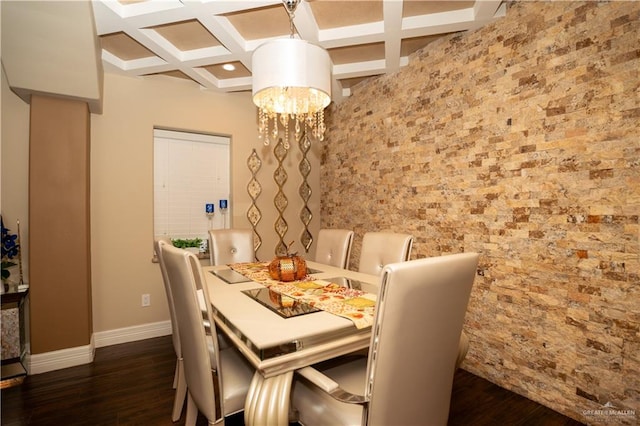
<point>194,39</point>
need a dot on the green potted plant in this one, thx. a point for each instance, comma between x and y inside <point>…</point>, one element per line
<point>190,244</point>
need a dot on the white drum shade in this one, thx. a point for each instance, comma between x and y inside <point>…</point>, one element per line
<point>291,76</point>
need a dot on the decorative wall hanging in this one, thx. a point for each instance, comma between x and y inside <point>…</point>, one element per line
<point>254,189</point>
<point>305,192</point>
<point>280,200</point>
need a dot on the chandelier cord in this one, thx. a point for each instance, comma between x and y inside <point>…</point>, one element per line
<point>291,27</point>
<point>291,6</point>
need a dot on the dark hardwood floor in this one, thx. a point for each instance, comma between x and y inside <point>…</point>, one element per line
<point>130,384</point>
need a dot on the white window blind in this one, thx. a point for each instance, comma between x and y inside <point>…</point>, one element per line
<point>190,171</point>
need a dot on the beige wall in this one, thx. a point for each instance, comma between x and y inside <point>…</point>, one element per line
<point>64,55</point>
<point>122,186</point>
<point>519,141</point>
<point>122,183</point>
<point>15,166</point>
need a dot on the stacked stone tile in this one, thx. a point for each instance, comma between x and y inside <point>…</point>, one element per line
<point>520,141</point>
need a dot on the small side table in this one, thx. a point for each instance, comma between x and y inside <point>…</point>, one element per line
<point>14,296</point>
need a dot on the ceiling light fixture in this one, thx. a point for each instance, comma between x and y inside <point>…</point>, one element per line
<point>291,82</point>
<point>229,67</point>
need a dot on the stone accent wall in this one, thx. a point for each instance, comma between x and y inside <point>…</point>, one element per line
<point>520,141</point>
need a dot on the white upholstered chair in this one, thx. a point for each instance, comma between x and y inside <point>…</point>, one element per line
<point>231,246</point>
<point>217,380</point>
<point>334,247</point>
<point>381,248</point>
<point>179,384</point>
<point>408,375</point>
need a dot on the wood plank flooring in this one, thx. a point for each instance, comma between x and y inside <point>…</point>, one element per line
<point>130,384</point>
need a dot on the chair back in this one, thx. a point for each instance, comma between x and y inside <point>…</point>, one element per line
<point>414,343</point>
<point>199,349</point>
<point>175,332</point>
<point>334,247</point>
<point>382,248</point>
<point>231,246</point>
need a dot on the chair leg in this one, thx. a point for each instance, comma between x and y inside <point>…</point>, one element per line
<point>176,374</point>
<point>463,348</point>
<point>181,392</point>
<point>192,412</point>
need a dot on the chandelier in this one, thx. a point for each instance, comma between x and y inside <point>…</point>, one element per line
<point>291,85</point>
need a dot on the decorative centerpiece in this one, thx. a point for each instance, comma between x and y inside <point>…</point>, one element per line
<point>282,300</point>
<point>288,268</point>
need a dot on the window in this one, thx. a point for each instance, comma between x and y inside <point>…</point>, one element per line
<point>190,171</point>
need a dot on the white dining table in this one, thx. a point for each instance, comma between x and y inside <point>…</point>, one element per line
<point>277,346</point>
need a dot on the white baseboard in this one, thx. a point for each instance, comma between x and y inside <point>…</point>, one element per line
<point>132,334</point>
<point>71,357</point>
<point>57,360</point>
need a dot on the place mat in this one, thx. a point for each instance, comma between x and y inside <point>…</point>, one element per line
<point>230,276</point>
<point>353,304</point>
<point>284,306</point>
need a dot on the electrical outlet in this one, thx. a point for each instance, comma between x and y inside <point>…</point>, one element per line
<point>146,300</point>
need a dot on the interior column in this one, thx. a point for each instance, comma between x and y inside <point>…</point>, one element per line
<point>59,239</point>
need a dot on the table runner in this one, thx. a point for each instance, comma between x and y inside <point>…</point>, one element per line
<point>355,305</point>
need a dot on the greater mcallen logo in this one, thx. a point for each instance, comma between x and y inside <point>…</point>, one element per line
<point>610,412</point>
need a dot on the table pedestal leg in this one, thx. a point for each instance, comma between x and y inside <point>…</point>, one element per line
<point>268,400</point>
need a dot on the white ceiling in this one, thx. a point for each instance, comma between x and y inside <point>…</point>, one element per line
<point>192,39</point>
